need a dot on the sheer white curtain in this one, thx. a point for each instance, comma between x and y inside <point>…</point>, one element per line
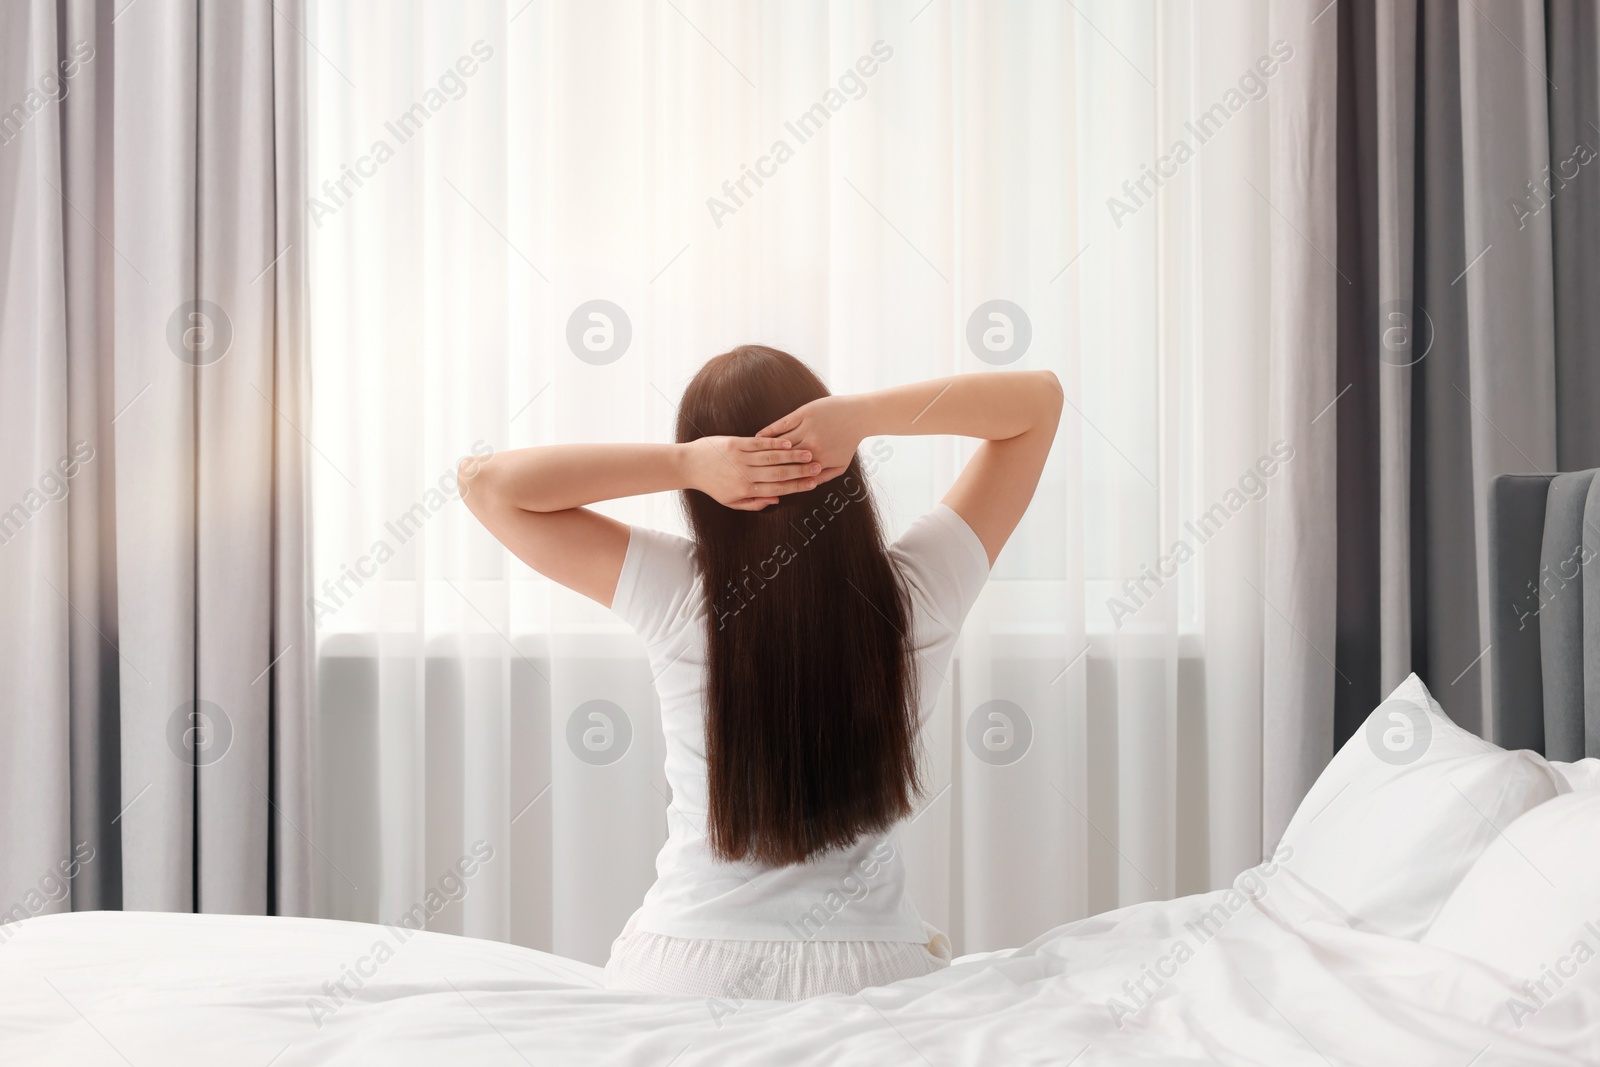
<point>857,184</point>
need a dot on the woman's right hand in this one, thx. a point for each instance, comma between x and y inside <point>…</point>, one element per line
<point>829,428</point>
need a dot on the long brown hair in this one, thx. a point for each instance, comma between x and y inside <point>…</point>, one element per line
<point>810,684</point>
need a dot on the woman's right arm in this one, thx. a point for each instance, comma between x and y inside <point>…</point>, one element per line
<point>1014,412</point>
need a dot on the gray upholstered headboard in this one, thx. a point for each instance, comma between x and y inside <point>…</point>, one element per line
<point>1544,600</point>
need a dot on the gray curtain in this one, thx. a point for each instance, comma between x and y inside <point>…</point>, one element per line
<point>154,655</point>
<point>1469,225</point>
<point>1299,623</point>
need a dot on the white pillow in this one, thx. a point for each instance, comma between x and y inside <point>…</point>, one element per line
<point>1532,898</point>
<point>1584,774</point>
<point>1401,812</point>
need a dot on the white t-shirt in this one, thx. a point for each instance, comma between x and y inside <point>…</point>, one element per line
<point>854,894</point>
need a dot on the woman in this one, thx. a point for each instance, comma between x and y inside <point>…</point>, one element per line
<point>796,654</point>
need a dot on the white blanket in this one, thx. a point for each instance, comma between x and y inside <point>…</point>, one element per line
<point>1275,981</point>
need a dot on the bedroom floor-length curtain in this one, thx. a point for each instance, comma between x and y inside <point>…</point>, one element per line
<point>531,222</point>
<point>154,658</point>
<point>1469,221</point>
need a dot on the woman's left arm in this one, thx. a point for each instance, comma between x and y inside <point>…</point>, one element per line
<point>532,499</point>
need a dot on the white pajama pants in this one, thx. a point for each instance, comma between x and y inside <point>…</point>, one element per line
<point>765,970</point>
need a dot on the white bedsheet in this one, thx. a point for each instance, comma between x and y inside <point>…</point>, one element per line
<point>1281,982</point>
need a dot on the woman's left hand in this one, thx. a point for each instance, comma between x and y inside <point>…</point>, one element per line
<point>749,473</point>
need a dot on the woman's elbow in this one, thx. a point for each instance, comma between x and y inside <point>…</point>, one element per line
<point>1051,397</point>
<point>471,478</point>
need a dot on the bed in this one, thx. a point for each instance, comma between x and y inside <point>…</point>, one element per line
<point>1351,944</point>
<point>1435,900</point>
<point>1280,983</point>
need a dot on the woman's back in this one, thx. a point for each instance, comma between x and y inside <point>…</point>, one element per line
<point>852,893</point>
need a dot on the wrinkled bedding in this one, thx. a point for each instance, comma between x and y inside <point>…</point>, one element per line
<point>1265,973</point>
